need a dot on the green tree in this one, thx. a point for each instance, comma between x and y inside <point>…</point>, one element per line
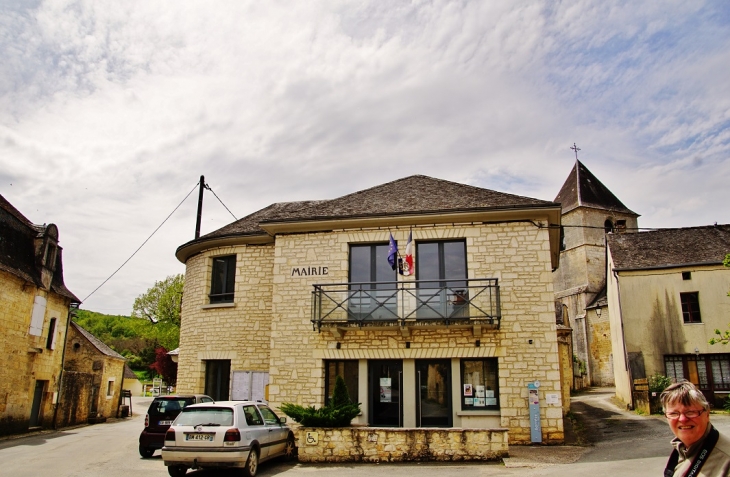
<point>723,337</point>
<point>161,303</point>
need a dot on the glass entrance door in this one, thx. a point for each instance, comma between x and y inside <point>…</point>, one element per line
<point>386,379</point>
<point>433,394</point>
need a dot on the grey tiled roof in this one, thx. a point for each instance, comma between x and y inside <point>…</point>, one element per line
<point>670,247</point>
<point>582,188</point>
<point>97,343</point>
<point>416,194</point>
<point>17,249</point>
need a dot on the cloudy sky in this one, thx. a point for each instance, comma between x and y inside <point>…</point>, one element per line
<point>110,111</point>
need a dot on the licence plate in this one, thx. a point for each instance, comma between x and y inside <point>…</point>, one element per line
<point>199,437</point>
<point>165,423</point>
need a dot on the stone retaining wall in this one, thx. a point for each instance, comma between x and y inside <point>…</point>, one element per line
<point>368,444</point>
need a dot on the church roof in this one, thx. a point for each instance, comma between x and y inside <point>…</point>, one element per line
<point>583,189</point>
<point>668,248</point>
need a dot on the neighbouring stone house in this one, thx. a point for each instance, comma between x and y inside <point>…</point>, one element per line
<point>590,211</point>
<point>295,294</point>
<point>92,379</point>
<point>34,314</point>
<point>668,292</point>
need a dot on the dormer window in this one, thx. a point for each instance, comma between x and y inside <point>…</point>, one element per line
<point>620,226</point>
<point>49,260</point>
<point>608,226</point>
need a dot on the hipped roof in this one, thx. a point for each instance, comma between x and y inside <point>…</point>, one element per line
<point>582,188</point>
<point>668,248</point>
<point>401,201</point>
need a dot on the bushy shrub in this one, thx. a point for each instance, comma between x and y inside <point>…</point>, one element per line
<point>658,383</point>
<point>338,413</point>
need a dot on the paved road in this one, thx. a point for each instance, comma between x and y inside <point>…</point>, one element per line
<point>616,443</point>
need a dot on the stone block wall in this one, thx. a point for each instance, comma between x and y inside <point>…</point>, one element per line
<point>516,253</point>
<point>240,331</point>
<point>362,444</point>
<point>25,357</point>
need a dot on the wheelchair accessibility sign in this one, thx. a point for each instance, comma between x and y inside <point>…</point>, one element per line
<point>312,438</point>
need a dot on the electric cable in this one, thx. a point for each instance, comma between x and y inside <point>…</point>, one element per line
<point>219,200</point>
<point>143,243</point>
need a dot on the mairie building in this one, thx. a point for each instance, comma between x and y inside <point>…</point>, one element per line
<point>278,304</point>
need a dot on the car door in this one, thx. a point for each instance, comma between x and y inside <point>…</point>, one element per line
<point>256,429</point>
<point>277,432</point>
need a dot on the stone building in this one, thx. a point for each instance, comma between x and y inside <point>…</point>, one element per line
<point>92,379</point>
<point>668,292</point>
<point>589,212</point>
<point>282,301</point>
<point>34,314</point>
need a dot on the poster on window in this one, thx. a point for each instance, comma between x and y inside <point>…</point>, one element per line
<point>479,402</point>
<point>468,390</point>
<point>480,392</point>
<point>385,390</point>
<point>469,401</point>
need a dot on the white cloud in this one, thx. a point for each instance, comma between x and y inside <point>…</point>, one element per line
<point>109,112</point>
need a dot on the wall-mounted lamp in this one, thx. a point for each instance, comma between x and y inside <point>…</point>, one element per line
<point>408,344</point>
<point>529,341</point>
<point>338,345</point>
<point>697,352</point>
<point>477,343</point>
<point>598,312</point>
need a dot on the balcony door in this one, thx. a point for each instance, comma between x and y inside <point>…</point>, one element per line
<point>441,269</point>
<point>372,284</point>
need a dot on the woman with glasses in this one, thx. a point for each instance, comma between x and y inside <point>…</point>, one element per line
<point>699,449</point>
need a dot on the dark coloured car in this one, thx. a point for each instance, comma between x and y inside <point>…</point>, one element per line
<point>161,413</point>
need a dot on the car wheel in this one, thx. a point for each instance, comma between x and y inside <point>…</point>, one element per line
<point>146,452</point>
<point>252,464</point>
<point>290,449</point>
<point>177,470</point>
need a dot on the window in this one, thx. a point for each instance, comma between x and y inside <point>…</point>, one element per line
<point>608,226</point>
<point>691,307</point>
<point>110,388</point>
<point>442,287</point>
<point>674,366</point>
<point>372,283</point>
<point>223,281</point>
<point>349,370</point>
<point>686,275</point>
<point>51,340</point>
<point>479,384</point>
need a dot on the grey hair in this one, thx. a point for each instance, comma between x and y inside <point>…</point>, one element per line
<point>684,393</point>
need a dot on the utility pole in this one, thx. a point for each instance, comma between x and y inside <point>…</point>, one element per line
<point>200,207</point>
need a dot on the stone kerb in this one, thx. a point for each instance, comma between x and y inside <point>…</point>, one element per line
<point>369,444</point>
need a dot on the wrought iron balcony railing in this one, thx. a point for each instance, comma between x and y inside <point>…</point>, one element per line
<point>405,303</point>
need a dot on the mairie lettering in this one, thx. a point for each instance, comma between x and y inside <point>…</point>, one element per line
<point>309,271</point>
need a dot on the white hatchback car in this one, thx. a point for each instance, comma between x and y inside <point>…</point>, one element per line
<point>226,434</point>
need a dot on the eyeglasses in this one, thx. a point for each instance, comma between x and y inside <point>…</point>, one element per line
<point>687,414</point>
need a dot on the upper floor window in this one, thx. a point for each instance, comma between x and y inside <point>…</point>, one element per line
<point>691,307</point>
<point>51,340</point>
<point>372,283</point>
<point>608,226</point>
<point>442,272</point>
<point>223,280</point>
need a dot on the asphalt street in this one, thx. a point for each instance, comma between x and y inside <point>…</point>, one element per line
<point>605,440</point>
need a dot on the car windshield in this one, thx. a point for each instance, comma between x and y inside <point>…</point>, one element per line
<point>167,406</point>
<point>205,416</point>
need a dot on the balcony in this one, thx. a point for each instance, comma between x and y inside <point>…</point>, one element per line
<point>407,305</point>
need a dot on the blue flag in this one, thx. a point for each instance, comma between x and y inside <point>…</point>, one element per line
<point>393,252</point>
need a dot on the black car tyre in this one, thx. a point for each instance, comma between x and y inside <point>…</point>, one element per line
<point>146,452</point>
<point>290,449</point>
<point>252,464</point>
<point>177,470</point>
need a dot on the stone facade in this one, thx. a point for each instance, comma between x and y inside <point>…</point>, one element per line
<point>357,444</point>
<point>268,325</point>
<point>28,364</point>
<point>92,381</point>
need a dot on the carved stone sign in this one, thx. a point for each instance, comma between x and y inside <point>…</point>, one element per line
<point>312,271</point>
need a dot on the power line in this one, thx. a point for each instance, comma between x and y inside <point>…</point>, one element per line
<point>143,243</point>
<point>219,200</point>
